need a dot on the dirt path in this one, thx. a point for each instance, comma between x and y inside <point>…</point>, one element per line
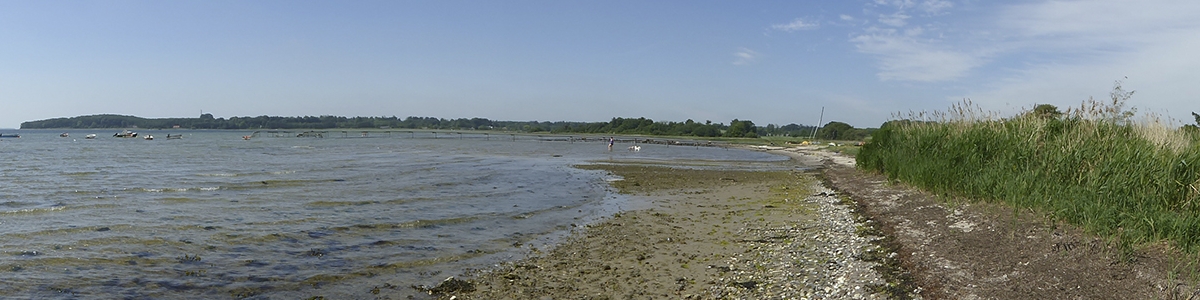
<point>961,250</point>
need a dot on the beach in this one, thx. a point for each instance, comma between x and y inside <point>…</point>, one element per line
<point>830,233</point>
<point>707,234</point>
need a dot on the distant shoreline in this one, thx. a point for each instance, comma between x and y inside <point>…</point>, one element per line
<point>617,125</point>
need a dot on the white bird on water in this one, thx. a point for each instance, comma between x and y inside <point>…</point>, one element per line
<point>635,148</point>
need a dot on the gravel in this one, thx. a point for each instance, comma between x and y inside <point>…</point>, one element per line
<point>815,259</point>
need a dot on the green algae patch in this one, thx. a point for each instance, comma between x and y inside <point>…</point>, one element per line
<point>644,178</point>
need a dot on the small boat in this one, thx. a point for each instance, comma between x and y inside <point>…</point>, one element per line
<point>125,134</point>
<point>64,134</point>
<point>316,134</point>
<point>2,135</point>
<point>149,137</point>
<point>90,136</point>
<point>174,136</point>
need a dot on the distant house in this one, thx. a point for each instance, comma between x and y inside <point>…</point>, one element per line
<point>176,126</point>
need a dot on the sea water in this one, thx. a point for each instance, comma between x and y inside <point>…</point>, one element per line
<point>347,215</point>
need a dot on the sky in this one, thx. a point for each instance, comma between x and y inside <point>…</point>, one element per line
<point>771,62</point>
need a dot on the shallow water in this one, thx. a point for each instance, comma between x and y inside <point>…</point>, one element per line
<point>212,215</point>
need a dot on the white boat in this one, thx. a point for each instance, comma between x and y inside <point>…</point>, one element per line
<point>125,134</point>
<point>149,137</point>
<point>90,136</point>
<point>64,134</point>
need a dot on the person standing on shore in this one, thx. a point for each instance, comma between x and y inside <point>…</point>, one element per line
<point>610,143</point>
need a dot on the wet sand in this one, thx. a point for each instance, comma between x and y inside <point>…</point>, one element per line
<point>709,234</point>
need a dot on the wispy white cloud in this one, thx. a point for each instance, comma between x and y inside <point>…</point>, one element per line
<point>909,48</point>
<point>1082,46</point>
<point>935,6</point>
<point>896,3</point>
<point>932,7</point>
<point>846,17</point>
<point>914,31</point>
<point>1075,25</point>
<point>745,56</point>
<point>796,25</point>
<point>904,58</point>
<point>898,19</point>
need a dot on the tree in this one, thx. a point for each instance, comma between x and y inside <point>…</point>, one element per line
<point>835,130</point>
<point>707,131</point>
<point>1046,111</point>
<point>742,129</point>
<point>1193,129</point>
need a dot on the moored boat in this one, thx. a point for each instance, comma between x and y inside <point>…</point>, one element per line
<point>5,135</point>
<point>90,136</point>
<point>125,134</point>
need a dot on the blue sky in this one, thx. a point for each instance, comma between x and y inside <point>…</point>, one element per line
<point>772,62</point>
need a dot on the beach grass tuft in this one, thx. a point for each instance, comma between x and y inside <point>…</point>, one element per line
<point>1135,181</point>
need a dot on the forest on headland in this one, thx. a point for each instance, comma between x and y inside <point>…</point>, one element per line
<point>736,128</point>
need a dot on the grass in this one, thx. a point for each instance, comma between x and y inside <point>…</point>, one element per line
<point>1137,183</point>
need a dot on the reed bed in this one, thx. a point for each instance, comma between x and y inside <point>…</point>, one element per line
<point>1093,166</point>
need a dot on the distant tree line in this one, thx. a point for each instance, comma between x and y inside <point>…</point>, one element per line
<point>843,132</point>
<point>1195,129</point>
<point>736,128</point>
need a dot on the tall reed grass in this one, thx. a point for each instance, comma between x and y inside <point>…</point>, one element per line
<point>1093,166</point>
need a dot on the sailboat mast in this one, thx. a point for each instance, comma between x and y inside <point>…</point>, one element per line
<point>822,119</point>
